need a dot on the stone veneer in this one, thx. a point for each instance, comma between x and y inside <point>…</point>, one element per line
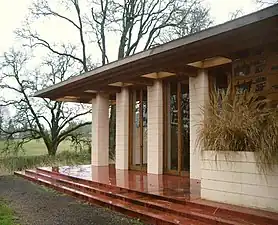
<point>155,128</point>
<point>122,129</point>
<point>100,130</point>
<point>198,96</point>
<point>234,178</point>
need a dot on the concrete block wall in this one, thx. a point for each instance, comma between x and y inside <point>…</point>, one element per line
<point>198,97</point>
<point>100,130</point>
<point>93,135</point>
<point>155,128</point>
<point>234,178</point>
<point>122,129</point>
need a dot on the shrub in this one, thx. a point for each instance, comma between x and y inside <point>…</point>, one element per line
<point>241,122</point>
<point>13,163</point>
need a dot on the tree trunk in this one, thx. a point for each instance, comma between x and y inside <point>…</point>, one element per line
<point>52,149</point>
<point>112,131</point>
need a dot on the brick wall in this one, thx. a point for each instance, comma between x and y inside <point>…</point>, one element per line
<point>235,179</point>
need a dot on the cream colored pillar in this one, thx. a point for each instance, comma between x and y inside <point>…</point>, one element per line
<point>100,130</point>
<point>155,128</point>
<point>93,138</point>
<point>122,124</point>
<point>198,96</point>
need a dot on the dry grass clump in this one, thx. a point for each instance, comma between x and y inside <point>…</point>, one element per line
<point>241,122</point>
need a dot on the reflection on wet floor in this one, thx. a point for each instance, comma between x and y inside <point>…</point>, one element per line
<point>180,187</point>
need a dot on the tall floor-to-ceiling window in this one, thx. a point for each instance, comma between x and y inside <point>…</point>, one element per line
<point>138,129</point>
<point>176,127</point>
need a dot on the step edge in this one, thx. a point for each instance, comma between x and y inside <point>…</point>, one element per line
<point>141,201</point>
<point>177,201</point>
<point>142,211</point>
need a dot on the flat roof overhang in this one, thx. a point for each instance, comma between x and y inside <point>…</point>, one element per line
<point>177,56</point>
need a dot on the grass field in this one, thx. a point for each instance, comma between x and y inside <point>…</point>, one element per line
<point>37,147</point>
<point>35,154</point>
<point>6,214</point>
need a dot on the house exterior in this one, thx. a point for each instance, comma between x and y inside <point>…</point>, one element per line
<point>159,95</point>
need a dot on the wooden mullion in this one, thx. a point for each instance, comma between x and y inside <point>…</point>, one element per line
<point>141,127</point>
<point>179,127</point>
<point>130,136</point>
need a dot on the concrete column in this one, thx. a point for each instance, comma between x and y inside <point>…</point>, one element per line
<point>122,131</point>
<point>155,128</point>
<point>93,138</point>
<point>100,174</point>
<point>198,96</point>
<point>100,130</point>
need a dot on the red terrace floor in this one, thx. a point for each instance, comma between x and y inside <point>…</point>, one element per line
<point>160,199</point>
<point>171,198</point>
<point>165,185</point>
<point>176,187</point>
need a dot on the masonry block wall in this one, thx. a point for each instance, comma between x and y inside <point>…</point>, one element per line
<point>235,179</point>
<point>122,125</point>
<point>198,97</point>
<point>100,130</point>
<point>93,132</point>
<point>155,128</point>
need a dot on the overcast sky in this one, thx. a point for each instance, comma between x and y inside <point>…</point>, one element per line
<point>12,13</point>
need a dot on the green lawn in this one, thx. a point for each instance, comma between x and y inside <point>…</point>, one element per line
<point>6,215</point>
<point>35,154</point>
<point>37,147</point>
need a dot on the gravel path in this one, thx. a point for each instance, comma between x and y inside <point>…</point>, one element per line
<point>36,205</point>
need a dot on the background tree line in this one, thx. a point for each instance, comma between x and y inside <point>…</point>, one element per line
<point>101,31</point>
<point>137,24</point>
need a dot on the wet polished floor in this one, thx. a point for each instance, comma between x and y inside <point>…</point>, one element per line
<point>156,199</point>
<point>180,187</point>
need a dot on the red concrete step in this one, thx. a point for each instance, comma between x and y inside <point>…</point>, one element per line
<point>148,202</point>
<point>148,215</point>
<point>98,184</point>
<point>228,216</point>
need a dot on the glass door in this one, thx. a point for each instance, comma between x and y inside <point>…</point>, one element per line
<point>184,130</point>
<point>138,130</point>
<point>172,156</point>
<point>176,127</point>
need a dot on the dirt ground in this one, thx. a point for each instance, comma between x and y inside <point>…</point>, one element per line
<point>36,205</point>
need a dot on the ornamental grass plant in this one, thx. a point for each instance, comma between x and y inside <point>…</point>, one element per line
<point>242,122</point>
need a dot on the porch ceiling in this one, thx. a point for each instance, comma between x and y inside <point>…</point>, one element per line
<point>224,40</point>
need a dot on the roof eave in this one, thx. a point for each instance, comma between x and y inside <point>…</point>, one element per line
<point>210,32</point>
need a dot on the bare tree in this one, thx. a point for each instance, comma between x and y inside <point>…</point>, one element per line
<point>41,8</point>
<point>4,115</point>
<point>136,25</point>
<point>34,118</point>
<point>237,13</point>
<point>141,24</point>
<point>189,20</point>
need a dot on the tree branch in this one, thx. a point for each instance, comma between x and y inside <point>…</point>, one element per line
<point>65,134</point>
